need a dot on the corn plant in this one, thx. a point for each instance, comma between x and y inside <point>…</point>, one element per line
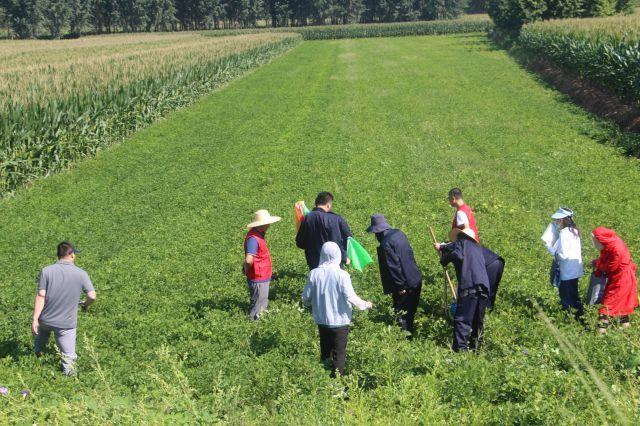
<point>56,112</point>
<point>328,32</point>
<point>605,51</point>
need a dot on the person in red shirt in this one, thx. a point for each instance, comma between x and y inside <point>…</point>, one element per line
<point>621,292</point>
<point>257,262</point>
<point>464,217</point>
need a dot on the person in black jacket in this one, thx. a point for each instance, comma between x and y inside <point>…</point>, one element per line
<point>399,272</point>
<point>319,226</point>
<point>495,267</point>
<point>473,287</point>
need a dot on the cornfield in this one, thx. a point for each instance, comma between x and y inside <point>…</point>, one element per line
<point>64,100</point>
<point>605,51</point>
<point>326,32</point>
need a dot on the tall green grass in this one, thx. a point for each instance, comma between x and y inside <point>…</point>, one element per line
<point>605,51</point>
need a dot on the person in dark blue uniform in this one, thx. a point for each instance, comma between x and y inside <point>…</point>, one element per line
<point>399,272</point>
<point>319,226</point>
<point>495,268</point>
<point>473,287</point>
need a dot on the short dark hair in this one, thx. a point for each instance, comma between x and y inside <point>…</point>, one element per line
<point>324,198</point>
<point>65,249</point>
<point>455,193</point>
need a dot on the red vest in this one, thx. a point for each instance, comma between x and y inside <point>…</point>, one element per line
<point>472,220</point>
<point>261,268</point>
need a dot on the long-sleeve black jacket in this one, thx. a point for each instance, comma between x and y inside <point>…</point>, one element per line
<point>398,268</point>
<point>490,256</point>
<point>317,228</point>
<point>468,259</point>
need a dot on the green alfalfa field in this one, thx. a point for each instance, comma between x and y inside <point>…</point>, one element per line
<point>387,125</point>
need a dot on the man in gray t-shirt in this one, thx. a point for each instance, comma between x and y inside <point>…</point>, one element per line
<point>56,305</point>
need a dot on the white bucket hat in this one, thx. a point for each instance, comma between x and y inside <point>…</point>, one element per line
<point>262,217</point>
<point>561,213</point>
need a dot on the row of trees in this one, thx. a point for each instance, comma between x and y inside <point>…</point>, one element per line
<point>510,15</point>
<point>56,18</point>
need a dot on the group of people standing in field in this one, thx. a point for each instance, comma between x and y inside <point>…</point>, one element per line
<point>323,235</point>
<point>612,284</point>
<point>329,292</point>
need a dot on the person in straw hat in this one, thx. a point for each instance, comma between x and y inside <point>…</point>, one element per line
<point>257,262</point>
<point>473,287</point>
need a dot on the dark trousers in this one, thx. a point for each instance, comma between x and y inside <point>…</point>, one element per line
<point>405,307</point>
<point>333,347</point>
<point>494,272</point>
<point>468,320</point>
<point>569,296</point>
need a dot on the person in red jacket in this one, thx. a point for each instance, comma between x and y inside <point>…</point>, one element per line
<point>464,217</point>
<point>257,262</point>
<point>621,292</point>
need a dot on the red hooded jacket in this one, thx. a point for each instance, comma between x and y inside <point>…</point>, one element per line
<point>621,292</point>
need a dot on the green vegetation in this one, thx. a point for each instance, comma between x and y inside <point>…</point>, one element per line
<point>510,15</point>
<point>470,24</point>
<point>389,125</point>
<point>46,124</point>
<point>606,51</point>
<point>58,104</point>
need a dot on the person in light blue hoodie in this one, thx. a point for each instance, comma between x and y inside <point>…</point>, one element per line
<point>330,295</point>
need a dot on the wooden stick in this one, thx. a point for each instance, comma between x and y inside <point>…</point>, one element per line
<point>446,273</point>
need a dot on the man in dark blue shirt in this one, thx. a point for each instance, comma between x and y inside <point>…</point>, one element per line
<point>399,272</point>
<point>473,287</point>
<point>319,226</point>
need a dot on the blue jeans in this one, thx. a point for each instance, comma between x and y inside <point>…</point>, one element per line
<point>569,296</point>
<point>468,320</point>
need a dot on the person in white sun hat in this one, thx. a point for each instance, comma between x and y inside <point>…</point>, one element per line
<point>562,239</point>
<point>257,262</point>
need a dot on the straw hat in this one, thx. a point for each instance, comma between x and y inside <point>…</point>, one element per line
<point>262,217</point>
<point>453,234</point>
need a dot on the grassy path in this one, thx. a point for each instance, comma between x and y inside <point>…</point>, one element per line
<point>388,125</point>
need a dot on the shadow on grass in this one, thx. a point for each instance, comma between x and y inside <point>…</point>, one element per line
<point>201,307</point>
<point>12,348</point>
<point>615,122</point>
<point>287,285</point>
<point>473,43</point>
<point>261,343</point>
<point>432,321</point>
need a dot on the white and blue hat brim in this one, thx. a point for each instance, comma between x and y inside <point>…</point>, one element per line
<point>561,214</point>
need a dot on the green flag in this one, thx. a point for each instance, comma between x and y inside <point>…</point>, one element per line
<point>357,254</point>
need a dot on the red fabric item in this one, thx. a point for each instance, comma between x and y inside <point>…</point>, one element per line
<point>621,292</point>
<point>261,268</point>
<point>472,219</point>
